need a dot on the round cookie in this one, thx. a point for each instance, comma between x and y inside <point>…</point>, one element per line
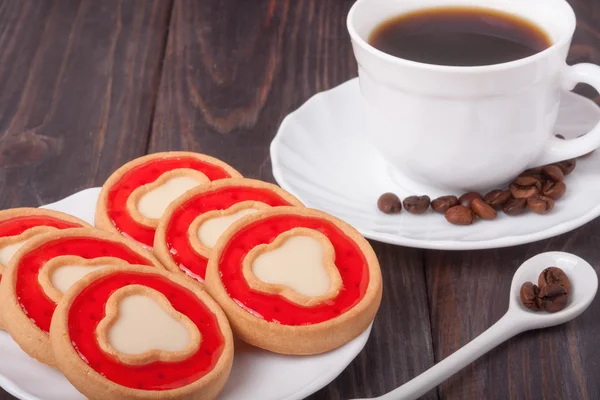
<point>18,225</point>
<point>295,280</point>
<point>193,223</point>
<point>134,197</point>
<point>45,267</point>
<point>134,333</point>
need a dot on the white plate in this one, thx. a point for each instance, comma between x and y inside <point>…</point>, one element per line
<point>256,374</point>
<point>322,155</point>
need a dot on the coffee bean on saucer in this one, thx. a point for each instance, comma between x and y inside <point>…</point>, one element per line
<point>554,298</point>
<point>554,276</point>
<point>466,199</point>
<point>530,296</point>
<point>442,204</point>
<point>567,166</point>
<point>497,198</point>
<point>540,204</point>
<point>554,173</point>
<point>483,210</point>
<point>554,190</point>
<point>460,215</point>
<point>389,203</point>
<point>514,207</point>
<point>524,187</point>
<point>416,204</point>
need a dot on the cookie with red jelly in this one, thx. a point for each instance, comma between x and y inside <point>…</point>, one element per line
<point>138,333</point>
<point>295,280</point>
<point>193,223</point>
<point>45,268</point>
<point>18,225</point>
<point>135,196</point>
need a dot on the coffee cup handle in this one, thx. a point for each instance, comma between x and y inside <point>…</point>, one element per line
<point>558,149</point>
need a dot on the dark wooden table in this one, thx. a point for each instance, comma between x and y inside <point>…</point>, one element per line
<point>86,86</point>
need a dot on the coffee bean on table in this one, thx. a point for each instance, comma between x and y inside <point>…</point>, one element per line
<point>483,210</point>
<point>466,199</point>
<point>497,198</point>
<point>460,215</point>
<point>389,203</point>
<point>554,298</point>
<point>443,203</point>
<point>514,207</point>
<point>525,186</point>
<point>416,204</point>
<point>554,173</point>
<point>554,276</point>
<point>540,204</point>
<point>554,190</point>
<point>530,296</point>
<point>567,166</point>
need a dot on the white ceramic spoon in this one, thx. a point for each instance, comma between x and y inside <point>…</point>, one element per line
<point>584,284</point>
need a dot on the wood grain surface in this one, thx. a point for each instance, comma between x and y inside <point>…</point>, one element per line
<point>88,85</point>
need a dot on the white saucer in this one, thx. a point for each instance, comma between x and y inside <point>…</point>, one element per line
<point>256,373</point>
<point>322,155</point>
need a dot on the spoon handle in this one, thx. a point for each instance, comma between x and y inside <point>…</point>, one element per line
<point>501,331</point>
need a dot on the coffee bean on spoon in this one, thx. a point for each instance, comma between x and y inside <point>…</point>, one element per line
<point>460,215</point>
<point>567,166</point>
<point>554,190</point>
<point>554,275</point>
<point>540,204</point>
<point>554,298</point>
<point>416,204</point>
<point>525,186</point>
<point>530,296</point>
<point>443,203</point>
<point>497,198</point>
<point>466,199</point>
<point>483,210</point>
<point>514,207</point>
<point>553,173</point>
<point>389,203</point>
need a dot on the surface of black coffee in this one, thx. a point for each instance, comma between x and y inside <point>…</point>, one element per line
<point>459,36</point>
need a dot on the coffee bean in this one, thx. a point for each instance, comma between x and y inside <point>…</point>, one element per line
<point>567,166</point>
<point>561,137</point>
<point>540,204</point>
<point>554,190</point>
<point>483,210</point>
<point>554,276</point>
<point>515,207</point>
<point>530,296</point>
<point>466,199</point>
<point>554,298</point>
<point>416,204</point>
<point>442,204</point>
<point>554,173</point>
<point>531,171</point>
<point>389,203</point>
<point>525,186</point>
<point>497,198</point>
<point>460,215</point>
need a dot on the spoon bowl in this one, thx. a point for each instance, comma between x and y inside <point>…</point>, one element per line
<point>584,285</point>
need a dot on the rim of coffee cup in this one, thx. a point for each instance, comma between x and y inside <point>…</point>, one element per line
<point>358,39</point>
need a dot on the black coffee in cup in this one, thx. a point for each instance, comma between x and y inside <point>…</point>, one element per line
<point>459,36</point>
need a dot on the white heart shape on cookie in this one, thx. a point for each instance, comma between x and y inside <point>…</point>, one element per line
<point>148,203</point>
<point>141,326</point>
<point>298,264</point>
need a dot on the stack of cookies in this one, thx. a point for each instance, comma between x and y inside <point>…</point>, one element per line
<point>185,254</point>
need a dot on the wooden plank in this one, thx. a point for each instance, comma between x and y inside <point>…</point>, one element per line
<point>233,70</point>
<point>468,292</point>
<point>78,83</point>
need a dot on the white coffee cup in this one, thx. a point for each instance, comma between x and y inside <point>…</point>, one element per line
<point>469,128</point>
